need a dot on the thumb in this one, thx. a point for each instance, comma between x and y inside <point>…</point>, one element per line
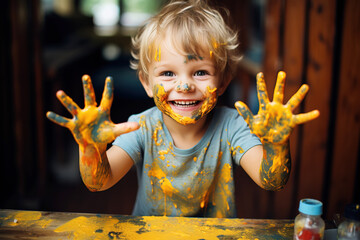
<point>244,111</point>
<point>126,127</point>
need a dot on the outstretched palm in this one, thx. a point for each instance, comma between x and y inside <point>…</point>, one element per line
<point>92,124</point>
<point>275,121</point>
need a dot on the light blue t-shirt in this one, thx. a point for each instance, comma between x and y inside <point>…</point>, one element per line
<point>191,182</point>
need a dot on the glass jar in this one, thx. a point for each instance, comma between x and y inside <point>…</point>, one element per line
<point>350,227</point>
<point>308,223</point>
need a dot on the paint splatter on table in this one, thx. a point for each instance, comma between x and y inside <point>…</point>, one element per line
<point>58,225</point>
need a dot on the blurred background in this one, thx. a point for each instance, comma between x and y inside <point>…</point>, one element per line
<point>47,45</point>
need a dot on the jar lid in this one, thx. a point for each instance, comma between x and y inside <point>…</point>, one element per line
<point>352,211</point>
<point>310,206</point>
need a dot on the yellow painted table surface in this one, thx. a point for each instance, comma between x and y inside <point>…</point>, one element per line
<point>16,224</point>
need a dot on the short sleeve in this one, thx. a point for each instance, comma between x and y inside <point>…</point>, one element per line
<point>240,137</point>
<point>132,142</point>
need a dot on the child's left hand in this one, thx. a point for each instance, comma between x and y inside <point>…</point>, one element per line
<point>275,121</point>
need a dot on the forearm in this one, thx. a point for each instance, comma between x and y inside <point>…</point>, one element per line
<point>94,166</point>
<point>275,166</point>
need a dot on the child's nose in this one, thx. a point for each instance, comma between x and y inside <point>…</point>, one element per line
<point>185,87</point>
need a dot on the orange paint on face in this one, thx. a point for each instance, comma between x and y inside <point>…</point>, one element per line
<point>209,102</point>
<point>157,56</point>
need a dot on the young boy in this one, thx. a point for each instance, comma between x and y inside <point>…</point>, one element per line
<point>185,147</point>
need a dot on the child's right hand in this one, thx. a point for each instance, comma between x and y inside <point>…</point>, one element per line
<point>92,124</point>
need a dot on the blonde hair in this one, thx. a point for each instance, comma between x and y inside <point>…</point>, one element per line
<point>195,28</point>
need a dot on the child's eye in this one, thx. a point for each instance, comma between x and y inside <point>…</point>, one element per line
<point>201,73</point>
<point>167,74</point>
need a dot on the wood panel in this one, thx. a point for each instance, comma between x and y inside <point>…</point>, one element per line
<point>319,70</point>
<point>29,151</point>
<point>39,96</point>
<point>273,40</point>
<point>347,128</point>
<point>21,86</point>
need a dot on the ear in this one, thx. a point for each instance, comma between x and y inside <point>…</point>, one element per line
<point>224,84</point>
<point>145,82</point>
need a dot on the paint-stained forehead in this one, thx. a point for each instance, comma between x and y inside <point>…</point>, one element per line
<point>170,42</point>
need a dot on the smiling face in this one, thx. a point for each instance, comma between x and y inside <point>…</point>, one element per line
<point>184,87</point>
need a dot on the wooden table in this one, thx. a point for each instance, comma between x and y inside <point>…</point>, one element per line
<point>16,224</point>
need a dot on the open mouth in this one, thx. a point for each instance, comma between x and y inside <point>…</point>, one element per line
<point>185,104</point>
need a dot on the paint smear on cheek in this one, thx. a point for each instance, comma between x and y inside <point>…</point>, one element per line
<point>209,103</point>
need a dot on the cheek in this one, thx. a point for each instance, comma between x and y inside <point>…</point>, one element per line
<point>160,96</point>
<point>208,104</point>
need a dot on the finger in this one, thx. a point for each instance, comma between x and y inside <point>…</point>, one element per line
<point>62,121</point>
<point>108,94</point>
<point>89,93</point>
<point>296,99</point>
<point>126,127</point>
<point>306,117</point>
<point>244,111</point>
<point>261,91</point>
<point>279,87</point>
<point>68,103</point>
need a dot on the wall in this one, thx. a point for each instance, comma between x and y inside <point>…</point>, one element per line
<point>315,42</point>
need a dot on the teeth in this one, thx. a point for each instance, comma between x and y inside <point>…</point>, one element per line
<point>185,102</point>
